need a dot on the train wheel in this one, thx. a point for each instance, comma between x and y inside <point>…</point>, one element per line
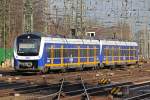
<point>112,67</point>
<point>64,70</point>
<point>94,67</point>
<point>45,70</point>
<point>18,71</point>
<point>101,66</point>
<point>81,68</point>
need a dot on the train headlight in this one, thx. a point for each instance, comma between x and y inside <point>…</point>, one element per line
<point>28,37</point>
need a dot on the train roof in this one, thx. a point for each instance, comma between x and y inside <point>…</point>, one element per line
<point>123,43</point>
<point>87,41</point>
<point>51,39</point>
<point>69,41</point>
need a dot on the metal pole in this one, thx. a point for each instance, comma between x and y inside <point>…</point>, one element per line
<point>5,29</point>
<point>81,16</point>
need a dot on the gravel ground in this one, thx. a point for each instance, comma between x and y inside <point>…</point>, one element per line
<point>128,73</point>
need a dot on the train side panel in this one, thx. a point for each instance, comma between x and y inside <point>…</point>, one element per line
<point>119,54</point>
<point>71,55</point>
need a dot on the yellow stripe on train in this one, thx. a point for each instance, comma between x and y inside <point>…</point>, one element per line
<point>66,64</point>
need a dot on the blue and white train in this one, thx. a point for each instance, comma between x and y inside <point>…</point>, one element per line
<point>37,53</point>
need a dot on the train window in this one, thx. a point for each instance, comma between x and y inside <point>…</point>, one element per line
<point>57,53</point>
<point>122,52</point>
<point>107,52</point>
<point>83,52</point>
<point>115,52</point>
<point>68,52</point>
<point>134,53</point>
<point>127,52</point>
<point>91,52</point>
<point>104,52</point>
<point>74,52</point>
<point>118,51</point>
<point>110,52</point>
<point>65,53</point>
<point>131,52</point>
<point>71,52</point>
<point>97,52</point>
<point>48,52</point>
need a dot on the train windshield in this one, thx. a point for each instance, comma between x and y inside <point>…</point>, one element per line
<point>28,47</point>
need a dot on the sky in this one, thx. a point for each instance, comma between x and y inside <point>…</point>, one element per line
<point>109,12</point>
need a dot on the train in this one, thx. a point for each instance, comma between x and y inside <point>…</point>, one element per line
<point>35,52</point>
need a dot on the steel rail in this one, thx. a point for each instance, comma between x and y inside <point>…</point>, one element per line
<point>60,90</point>
<point>137,87</point>
<point>101,89</point>
<point>93,90</point>
<point>11,85</point>
<point>34,90</point>
<point>74,97</point>
<point>85,90</point>
<point>139,84</point>
<point>97,88</point>
<point>139,97</point>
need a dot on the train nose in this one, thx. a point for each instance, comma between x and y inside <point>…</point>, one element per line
<point>26,64</point>
<point>29,64</point>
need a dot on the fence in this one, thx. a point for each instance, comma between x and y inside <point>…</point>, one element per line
<point>5,54</point>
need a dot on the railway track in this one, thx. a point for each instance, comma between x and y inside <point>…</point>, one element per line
<point>80,89</point>
<point>139,91</point>
<point>103,73</point>
<point>84,85</point>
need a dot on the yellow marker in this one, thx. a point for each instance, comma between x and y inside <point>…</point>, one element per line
<point>78,54</point>
<point>113,90</point>
<point>87,54</point>
<point>105,81</point>
<point>106,56</point>
<point>129,54</point>
<point>100,81</point>
<point>117,90</point>
<point>52,55</point>
<point>112,54</point>
<point>119,54</point>
<point>95,55</point>
<point>62,55</point>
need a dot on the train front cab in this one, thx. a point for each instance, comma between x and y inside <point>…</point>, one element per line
<point>26,53</point>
